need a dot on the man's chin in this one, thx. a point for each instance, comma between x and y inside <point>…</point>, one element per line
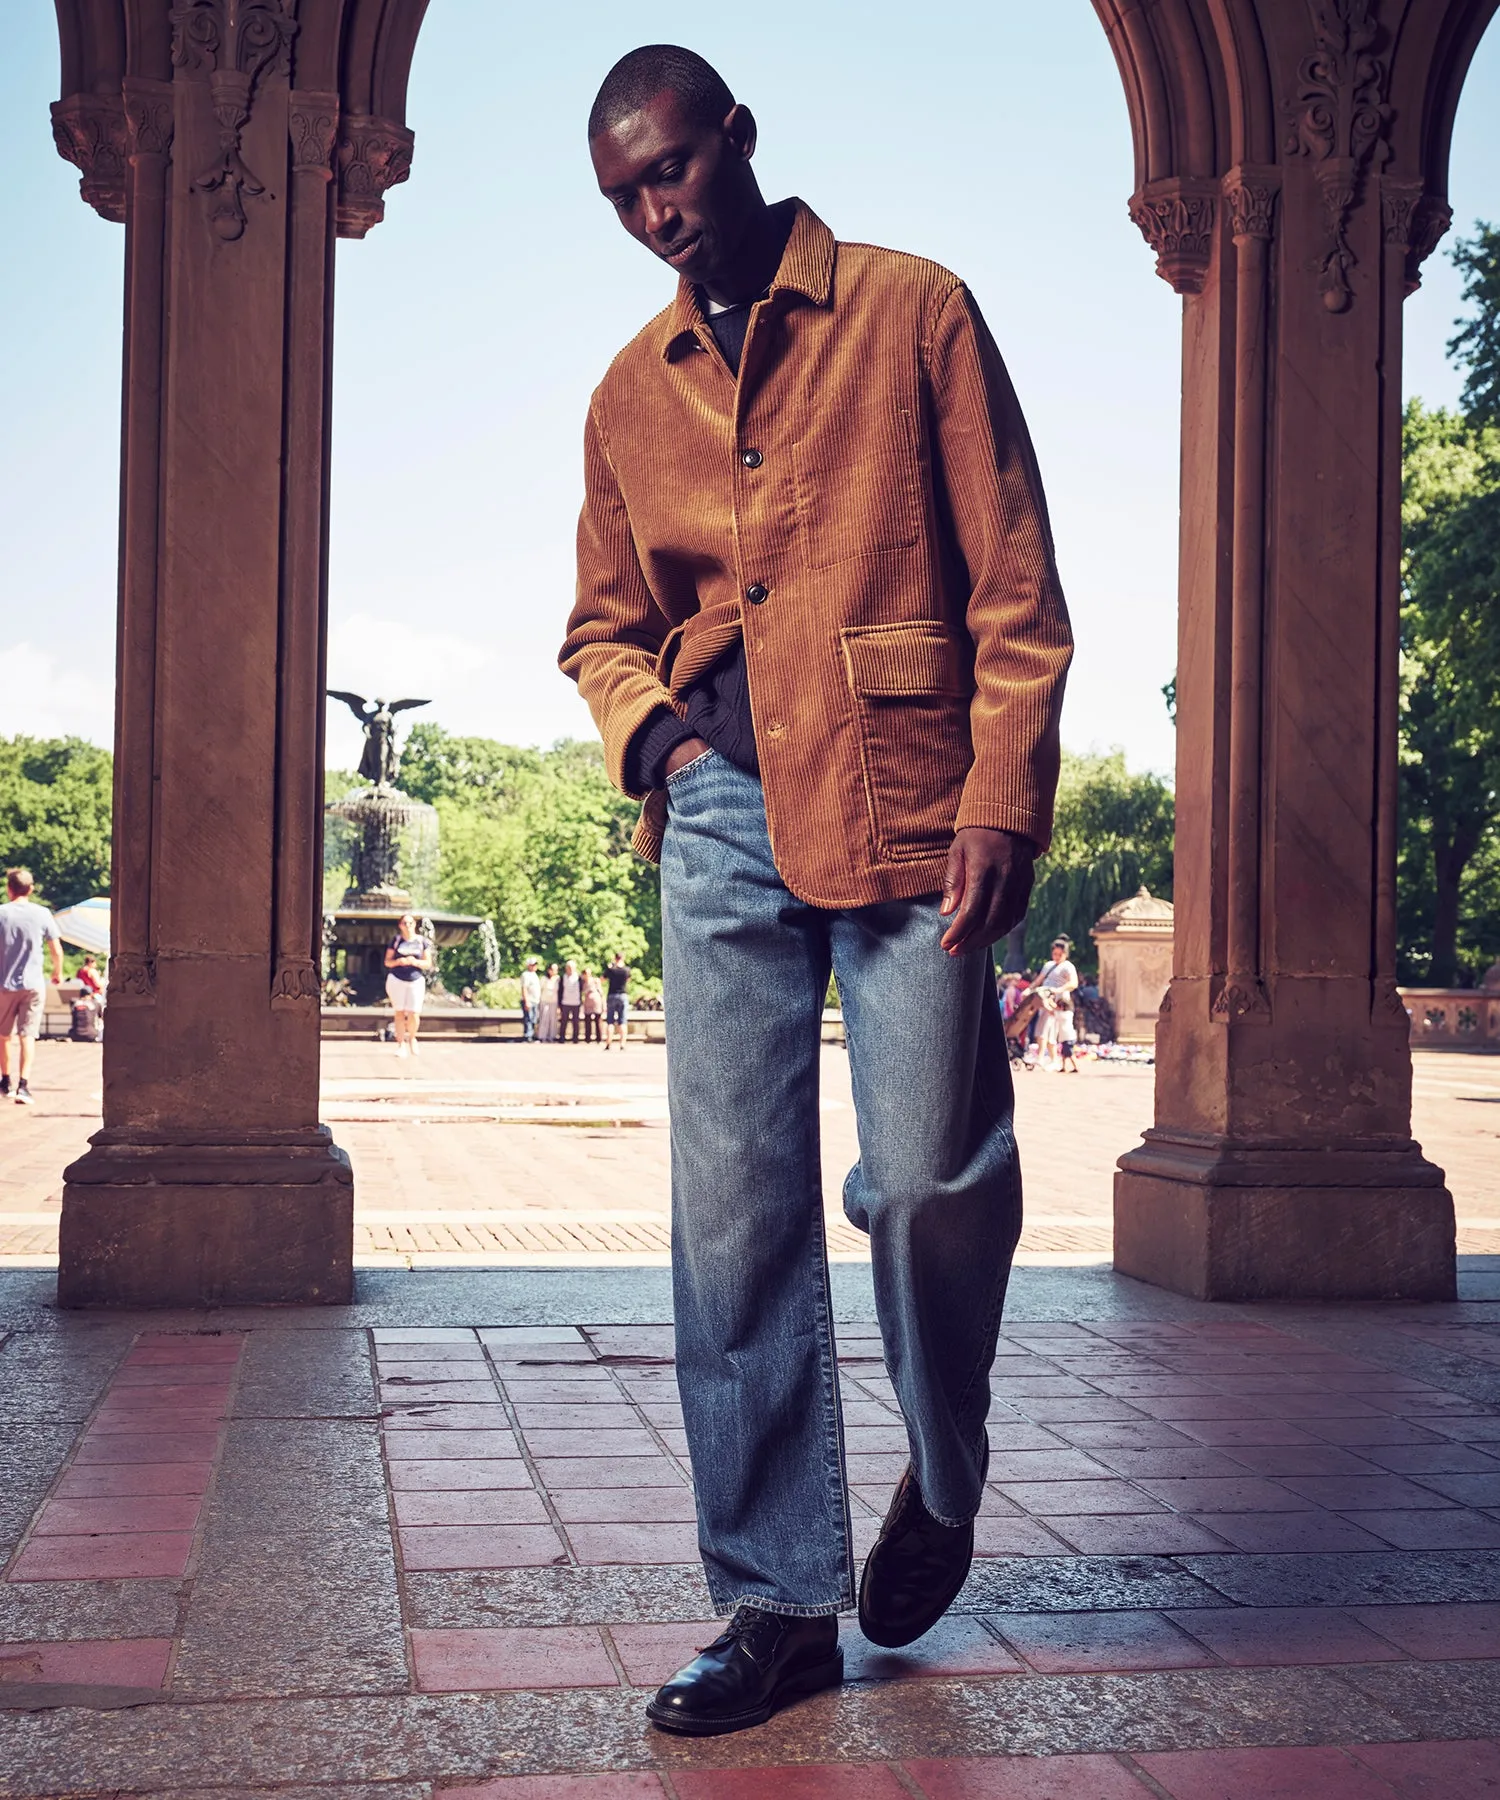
<point>695,265</point>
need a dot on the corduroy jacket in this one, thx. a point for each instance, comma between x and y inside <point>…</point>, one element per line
<point>861,504</point>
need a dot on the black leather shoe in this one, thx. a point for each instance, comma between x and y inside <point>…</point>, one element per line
<point>759,1663</point>
<point>913,1574</point>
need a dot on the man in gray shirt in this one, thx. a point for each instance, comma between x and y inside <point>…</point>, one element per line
<point>24,928</point>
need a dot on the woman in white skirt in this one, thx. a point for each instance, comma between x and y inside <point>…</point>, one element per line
<point>408,963</point>
<point>546,1025</point>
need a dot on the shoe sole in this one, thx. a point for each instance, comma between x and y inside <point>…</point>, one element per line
<point>798,1687</point>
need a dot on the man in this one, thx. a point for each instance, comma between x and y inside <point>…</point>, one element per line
<point>820,628</point>
<point>569,1000</point>
<point>24,928</point>
<point>617,1000</point>
<point>531,999</point>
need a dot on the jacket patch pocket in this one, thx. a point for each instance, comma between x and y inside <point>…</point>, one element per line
<point>859,491</point>
<point>911,686</point>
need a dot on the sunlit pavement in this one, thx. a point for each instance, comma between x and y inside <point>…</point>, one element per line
<point>442,1541</point>
<point>486,1154</point>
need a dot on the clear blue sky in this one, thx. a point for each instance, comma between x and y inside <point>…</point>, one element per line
<point>473,323</point>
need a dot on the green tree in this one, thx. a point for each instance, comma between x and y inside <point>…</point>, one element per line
<point>1112,835</point>
<point>538,841</point>
<point>1450,692</point>
<point>55,815</point>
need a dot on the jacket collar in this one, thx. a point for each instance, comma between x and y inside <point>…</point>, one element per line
<point>806,268</point>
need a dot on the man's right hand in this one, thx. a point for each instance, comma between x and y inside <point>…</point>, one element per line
<point>685,752</point>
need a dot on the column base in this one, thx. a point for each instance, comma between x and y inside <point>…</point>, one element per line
<point>266,1221</point>
<point>1221,1222</point>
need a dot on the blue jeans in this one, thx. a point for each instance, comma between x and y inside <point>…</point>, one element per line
<point>528,1023</point>
<point>937,1187</point>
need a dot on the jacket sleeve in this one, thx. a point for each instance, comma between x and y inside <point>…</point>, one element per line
<point>1016,615</point>
<point>616,628</point>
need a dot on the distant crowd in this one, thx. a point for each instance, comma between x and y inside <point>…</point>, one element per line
<point>574,1005</point>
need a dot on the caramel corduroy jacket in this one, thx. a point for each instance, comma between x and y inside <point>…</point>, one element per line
<point>862,506</point>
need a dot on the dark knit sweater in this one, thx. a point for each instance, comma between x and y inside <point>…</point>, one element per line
<point>718,706</point>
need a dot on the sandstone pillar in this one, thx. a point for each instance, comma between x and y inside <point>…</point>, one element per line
<point>232,137</point>
<point>1291,172</point>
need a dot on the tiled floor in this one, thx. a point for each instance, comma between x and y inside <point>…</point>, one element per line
<point>1224,1555</point>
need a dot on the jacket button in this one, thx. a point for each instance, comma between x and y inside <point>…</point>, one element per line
<point>756,593</point>
<point>752,459</point>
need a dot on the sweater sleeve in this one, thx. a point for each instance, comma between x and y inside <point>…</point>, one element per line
<point>1016,614</point>
<point>616,629</point>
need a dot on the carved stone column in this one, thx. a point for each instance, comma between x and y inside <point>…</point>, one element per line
<point>212,1179</point>
<point>1290,181</point>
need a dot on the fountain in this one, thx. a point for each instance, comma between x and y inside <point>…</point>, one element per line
<point>390,841</point>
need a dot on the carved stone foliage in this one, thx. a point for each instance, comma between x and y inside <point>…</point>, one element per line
<point>295,983</point>
<point>1252,205</point>
<point>373,155</point>
<point>1339,118</point>
<point>237,43</point>
<point>313,121</point>
<point>1415,221</point>
<point>132,980</point>
<point>1176,218</point>
<point>149,116</point>
<point>89,131</point>
<point>1241,1000</point>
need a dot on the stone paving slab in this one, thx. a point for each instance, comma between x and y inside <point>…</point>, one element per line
<point>293,1652</point>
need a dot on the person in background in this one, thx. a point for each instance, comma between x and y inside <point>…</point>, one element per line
<point>408,963</point>
<point>1057,984</point>
<point>617,1001</point>
<point>569,1001</point>
<point>546,1029</point>
<point>24,927</point>
<point>87,976</point>
<point>531,999</point>
<point>593,1006</point>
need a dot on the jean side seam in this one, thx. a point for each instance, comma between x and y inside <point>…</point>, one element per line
<point>836,1474</point>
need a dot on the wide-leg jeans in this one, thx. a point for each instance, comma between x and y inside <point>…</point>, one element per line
<point>937,1187</point>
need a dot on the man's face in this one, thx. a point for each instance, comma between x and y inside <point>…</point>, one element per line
<point>683,190</point>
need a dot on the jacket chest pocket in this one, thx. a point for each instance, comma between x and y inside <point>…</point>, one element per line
<point>859,489</point>
<point>911,686</point>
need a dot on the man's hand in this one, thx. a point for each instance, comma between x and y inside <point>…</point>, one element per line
<point>986,887</point>
<point>684,754</point>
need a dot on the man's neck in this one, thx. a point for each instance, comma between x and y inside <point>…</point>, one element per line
<point>755,262</point>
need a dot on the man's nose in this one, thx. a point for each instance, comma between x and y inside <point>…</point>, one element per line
<point>658,215</point>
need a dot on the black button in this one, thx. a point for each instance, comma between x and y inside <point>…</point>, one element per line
<point>752,459</point>
<point>756,593</point>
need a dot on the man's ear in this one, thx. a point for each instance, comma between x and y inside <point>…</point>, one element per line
<point>739,128</point>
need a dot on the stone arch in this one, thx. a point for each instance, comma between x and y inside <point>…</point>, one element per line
<point>1291,174</point>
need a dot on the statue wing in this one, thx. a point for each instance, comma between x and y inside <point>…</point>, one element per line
<point>355,702</point>
<point>405,705</point>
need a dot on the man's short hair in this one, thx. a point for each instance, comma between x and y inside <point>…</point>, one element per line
<point>640,76</point>
<point>19,881</point>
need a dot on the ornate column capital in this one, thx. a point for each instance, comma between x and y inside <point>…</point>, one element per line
<point>373,155</point>
<point>149,116</point>
<point>313,121</point>
<point>1176,218</point>
<point>89,131</point>
<point>1250,193</point>
<point>1414,221</point>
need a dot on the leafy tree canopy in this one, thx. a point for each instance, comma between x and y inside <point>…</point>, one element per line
<point>55,815</point>
<point>1112,835</point>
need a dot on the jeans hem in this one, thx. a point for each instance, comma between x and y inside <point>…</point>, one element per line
<point>762,1603</point>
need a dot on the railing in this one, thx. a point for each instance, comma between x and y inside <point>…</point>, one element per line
<point>1454,1018</point>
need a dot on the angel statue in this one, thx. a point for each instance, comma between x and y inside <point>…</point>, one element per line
<point>381,762</point>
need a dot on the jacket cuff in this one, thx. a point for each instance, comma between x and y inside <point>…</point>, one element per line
<point>647,753</point>
<point>1019,821</point>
